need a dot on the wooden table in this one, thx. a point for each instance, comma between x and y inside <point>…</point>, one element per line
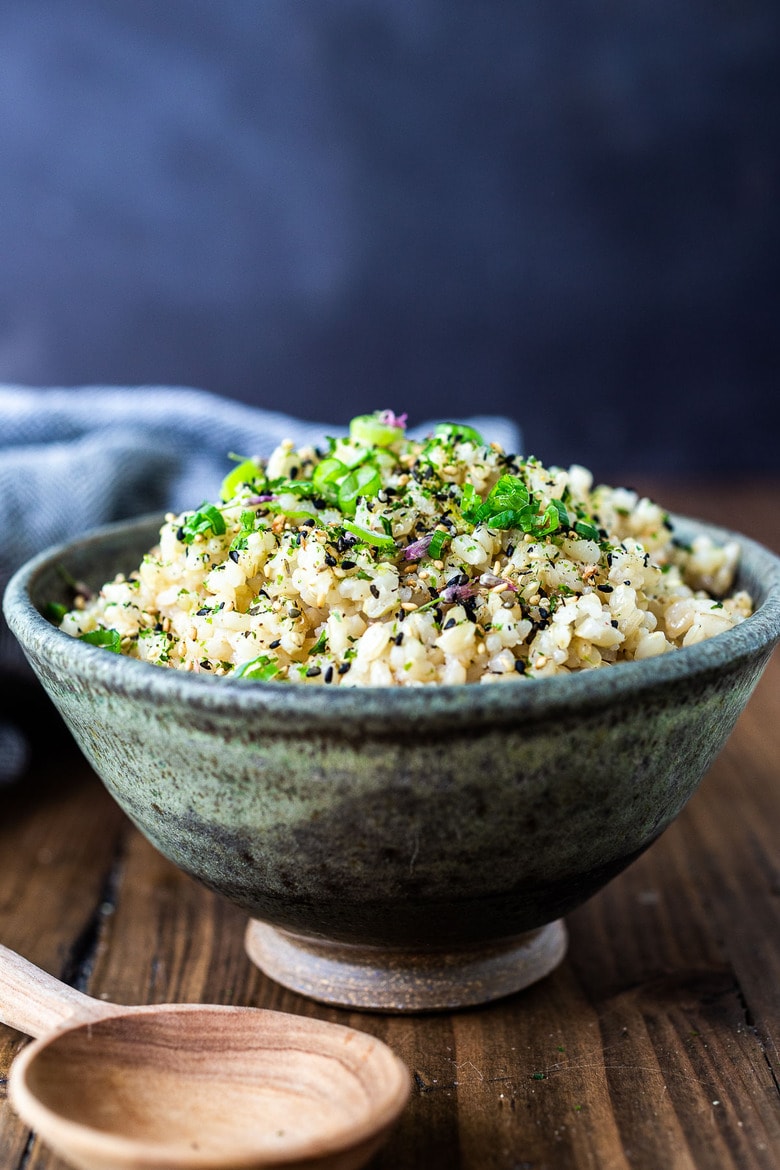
<point>656,1044</point>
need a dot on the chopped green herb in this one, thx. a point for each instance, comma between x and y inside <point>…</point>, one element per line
<point>509,504</point>
<point>56,611</point>
<point>248,523</point>
<point>207,518</point>
<point>260,669</point>
<point>320,644</point>
<point>110,639</point>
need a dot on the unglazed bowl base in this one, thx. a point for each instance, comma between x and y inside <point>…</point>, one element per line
<point>396,980</point>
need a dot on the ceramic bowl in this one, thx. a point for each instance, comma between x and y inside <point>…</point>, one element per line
<point>399,849</point>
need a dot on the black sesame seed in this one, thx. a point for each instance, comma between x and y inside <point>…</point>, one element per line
<point>519,666</point>
<point>275,644</point>
<point>449,624</point>
<point>373,590</point>
<point>605,588</point>
<point>233,554</point>
<point>180,533</point>
<point>205,665</point>
<point>510,548</point>
<point>329,675</point>
<point>349,564</point>
<point>398,639</point>
<point>203,612</point>
<point>344,667</point>
<point>614,623</point>
<point>309,523</point>
<point>313,671</point>
<point>329,560</point>
<point>292,612</point>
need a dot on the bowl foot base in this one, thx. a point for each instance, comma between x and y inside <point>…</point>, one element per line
<point>395,980</point>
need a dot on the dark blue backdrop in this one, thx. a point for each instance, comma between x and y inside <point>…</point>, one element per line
<point>567,212</point>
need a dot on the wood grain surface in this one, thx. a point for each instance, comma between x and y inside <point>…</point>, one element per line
<point>654,1045</point>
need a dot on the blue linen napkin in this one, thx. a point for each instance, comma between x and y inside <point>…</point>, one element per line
<point>73,459</point>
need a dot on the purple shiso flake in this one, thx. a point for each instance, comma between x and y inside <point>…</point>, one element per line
<point>458,592</point>
<point>418,548</point>
<point>260,499</point>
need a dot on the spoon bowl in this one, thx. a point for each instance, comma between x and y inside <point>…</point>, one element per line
<point>194,1087</point>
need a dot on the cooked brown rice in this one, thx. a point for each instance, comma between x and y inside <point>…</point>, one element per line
<point>384,561</point>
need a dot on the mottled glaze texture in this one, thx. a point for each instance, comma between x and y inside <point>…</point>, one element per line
<point>413,817</point>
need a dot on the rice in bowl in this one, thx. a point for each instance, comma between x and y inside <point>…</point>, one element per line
<point>385,561</point>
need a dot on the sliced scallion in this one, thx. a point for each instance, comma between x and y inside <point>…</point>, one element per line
<point>246,472</point>
<point>459,433</point>
<point>368,536</point>
<point>363,481</point>
<point>379,429</point>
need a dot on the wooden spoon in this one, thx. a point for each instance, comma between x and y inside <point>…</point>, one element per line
<point>194,1087</point>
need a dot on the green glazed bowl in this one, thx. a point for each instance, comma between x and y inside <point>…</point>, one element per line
<point>401,849</point>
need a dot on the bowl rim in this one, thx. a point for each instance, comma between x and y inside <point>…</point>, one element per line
<point>518,701</point>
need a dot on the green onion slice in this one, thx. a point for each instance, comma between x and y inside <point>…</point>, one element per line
<point>368,536</point>
<point>363,481</point>
<point>375,430</point>
<point>327,476</point>
<point>459,433</point>
<point>587,531</point>
<point>438,541</point>
<point>245,473</point>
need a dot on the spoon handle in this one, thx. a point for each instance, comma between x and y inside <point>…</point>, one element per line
<point>36,1003</point>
